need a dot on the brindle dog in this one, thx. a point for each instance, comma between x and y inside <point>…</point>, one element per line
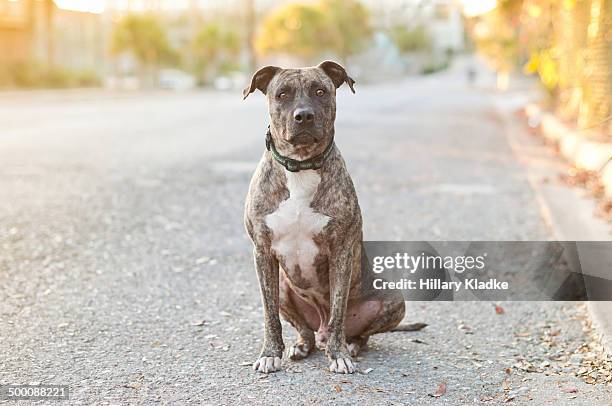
<point>306,225</point>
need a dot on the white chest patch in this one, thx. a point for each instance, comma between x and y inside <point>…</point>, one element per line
<point>294,223</point>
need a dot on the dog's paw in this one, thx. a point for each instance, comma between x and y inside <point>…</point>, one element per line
<point>342,365</point>
<point>298,351</point>
<point>267,365</point>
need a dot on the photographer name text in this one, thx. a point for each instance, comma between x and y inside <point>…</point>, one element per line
<point>437,284</point>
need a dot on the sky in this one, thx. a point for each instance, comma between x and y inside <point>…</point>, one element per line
<point>475,7</point>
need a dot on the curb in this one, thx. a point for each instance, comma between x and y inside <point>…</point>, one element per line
<point>591,156</point>
<point>601,318</point>
<point>584,154</point>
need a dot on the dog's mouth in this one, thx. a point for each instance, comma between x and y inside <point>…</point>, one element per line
<point>304,137</point>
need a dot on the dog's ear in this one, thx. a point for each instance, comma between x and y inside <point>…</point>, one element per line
<point>261,79</point>
<point>337,74</point>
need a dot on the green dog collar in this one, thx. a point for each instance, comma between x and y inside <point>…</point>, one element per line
<point>293,165</point>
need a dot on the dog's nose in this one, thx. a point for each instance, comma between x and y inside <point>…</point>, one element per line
<point>303,115</point>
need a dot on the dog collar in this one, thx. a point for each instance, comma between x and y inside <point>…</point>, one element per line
<point>293,165</point>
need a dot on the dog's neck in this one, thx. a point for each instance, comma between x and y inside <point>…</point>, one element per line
<point>298,158</point>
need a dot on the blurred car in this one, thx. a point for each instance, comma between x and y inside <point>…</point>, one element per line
<point>175,79</point>
<point>232,81</point>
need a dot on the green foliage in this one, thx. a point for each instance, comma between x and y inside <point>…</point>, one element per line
<point>497,38</point>
<point>410,40</point>
<point>433,66</point>
<point>349,20</point>
<point>309,30</point>
<point>35,75</point>
<point>215,46</point>
<point>145,38</point>
<point>566,43</point>
<point>297,29</point>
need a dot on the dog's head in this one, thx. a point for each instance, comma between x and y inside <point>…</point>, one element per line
<point>302,105</point>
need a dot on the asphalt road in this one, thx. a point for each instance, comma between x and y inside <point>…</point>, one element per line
<point>125,271</point>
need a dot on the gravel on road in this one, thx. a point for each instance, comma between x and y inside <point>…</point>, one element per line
<point>126,272</point>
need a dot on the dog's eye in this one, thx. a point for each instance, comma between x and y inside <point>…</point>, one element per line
<point>320,92</point>
<point>282,95</point>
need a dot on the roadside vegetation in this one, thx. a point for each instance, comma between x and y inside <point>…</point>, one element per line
<point>565,44</point>
<point>224,42</point>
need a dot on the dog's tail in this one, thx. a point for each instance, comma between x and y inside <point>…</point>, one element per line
<point>409,327</point>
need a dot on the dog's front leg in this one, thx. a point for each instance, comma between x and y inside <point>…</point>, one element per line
<point>267,272</point>
<point>340,281</point>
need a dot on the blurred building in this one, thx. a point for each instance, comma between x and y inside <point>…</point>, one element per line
<point>445,25</point>
<point>37,30</point>
<point>79,40</point>
<point>16,30</point>
<point>442,19</point>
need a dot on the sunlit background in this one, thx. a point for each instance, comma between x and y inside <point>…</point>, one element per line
<point>183,44</point>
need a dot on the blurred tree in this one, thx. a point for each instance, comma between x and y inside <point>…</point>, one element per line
<point>538,41</point>
<point>410,39</point>
<point>570,51</point>
<point>49,7</point>
<point>311,30</point>
<point>496,35</point>
<point>596,106</point>
<point>144,37</point>
<point>567,44</point>
<point>350,22</point>
<point>215,48</point>
<point>297,29</point>
<point>249,38</point>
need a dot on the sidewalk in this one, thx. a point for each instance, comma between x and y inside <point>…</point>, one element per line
<point>588,155</point>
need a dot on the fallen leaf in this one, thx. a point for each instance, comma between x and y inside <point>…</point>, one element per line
<point>337,388</point>
<point>570,390</point>
<point>410,327</point>
<point>499,310</point>
<point>505,385</point>
<point>440,391</point>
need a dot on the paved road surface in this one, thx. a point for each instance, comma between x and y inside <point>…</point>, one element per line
<point>126,272</point>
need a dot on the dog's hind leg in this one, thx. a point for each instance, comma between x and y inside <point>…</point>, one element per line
<point>390,315</point>
<point>356,344</point>
<point>387,317</point>
<point>289,310</point>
